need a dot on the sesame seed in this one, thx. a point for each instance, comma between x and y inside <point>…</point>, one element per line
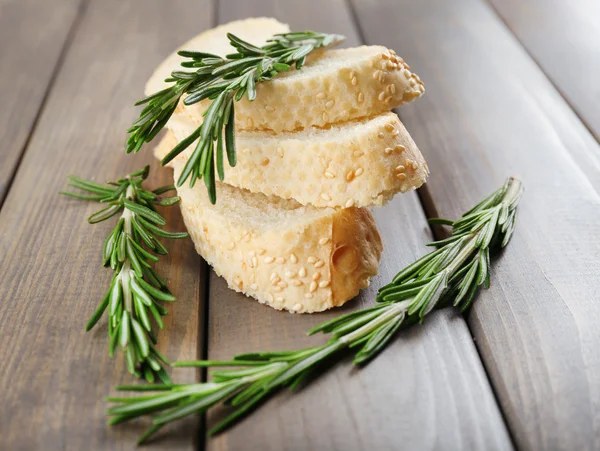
<point>380,135</point>
<point>269,297</point>
<point>350,176</point>
<point>311,259</point>
<point>313,286</point>
<point>316,276</point>
<point>349,203</point>
<point>290,274</point>
<point>381,95</point>
<point>325,117</point>
<point>251,253</point>
<point>361,97</point>
<point>358,172</point>
<point>390,65</point>
<point>319,264</point>
<point>329,175</point>
<point>324,283</point>
<point>387,99</point>
<point>412,82</point>
<point>280,260</point>
<point>261,251</point>
<point>277,289</point>
<point>264,162</point>
<point>275,281</point>
<point>324,241</point>
<point>376,74</point>
<point>297,282</point>
<point>352,74</point>
<point>254,262</point>
<point>273,276</point>
<point>282,284</point>
<point>391,89</point>
<point>389,127</point>
<point>293,258</point>
<point>358,153</point>
<point>400,148</point>
<point>249,122</point>
<point>401,176</point>
<point>254,286</point>
<point>320,95</point>
<point>302,272</point>
<point>279,299</point>
<point>308,295</point>
<point>297,307</point>
<point>388,150</point>
<point>231,246</point>
<point>400,168</point>
<point>280,152</point>
<point>406,74</point>
<point>269,108</point>
<point>382,77</point>
<point>354,81</point>
<point>385,56</point>
<point>329,104</point>
<point>268,259</point>
<point>325,196</point>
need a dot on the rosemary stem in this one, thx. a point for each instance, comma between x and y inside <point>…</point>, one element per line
<point>393,310</point>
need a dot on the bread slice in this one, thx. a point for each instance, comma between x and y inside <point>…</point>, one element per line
<point>358,163</point>
<point>334,85</point>
<point>289,256</point>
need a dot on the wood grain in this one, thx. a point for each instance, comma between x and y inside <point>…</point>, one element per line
<point>427,391</point>
<point>489,112</point>
<point>54,376</point>
<point>563,36</point>
<point>33,34</point>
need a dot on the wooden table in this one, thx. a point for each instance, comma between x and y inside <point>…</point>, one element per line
<point>512,89</point>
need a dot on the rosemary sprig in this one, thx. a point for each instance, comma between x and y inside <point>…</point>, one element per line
<point>136,292</point>
<point>223,81</point>
<point>450,274</point>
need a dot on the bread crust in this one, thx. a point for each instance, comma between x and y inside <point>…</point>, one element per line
<point>361,164</point>
<point>308,260</point>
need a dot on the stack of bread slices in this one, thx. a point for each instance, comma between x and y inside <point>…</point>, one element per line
<point>315,149</point>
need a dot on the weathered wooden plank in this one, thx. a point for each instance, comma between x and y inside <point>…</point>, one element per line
<point>490,112</point>
<point>33,33</point>
<point>54,377</point>
<point>563,36</point>
<point>428,390</point>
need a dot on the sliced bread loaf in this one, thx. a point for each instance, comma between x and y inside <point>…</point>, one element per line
<point>289,256</point>
<point>334,85</point>
<point>358,163</point>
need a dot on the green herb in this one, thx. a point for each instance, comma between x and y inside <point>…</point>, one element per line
<point>449,275</point>
<point>136,292</point>
<point>221,80</point>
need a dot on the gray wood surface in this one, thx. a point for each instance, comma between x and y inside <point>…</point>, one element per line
<point>54,376</point>
<point>32,35</point>
<point>428,390</point>
<point>563,36</point>
<point>489,112</point>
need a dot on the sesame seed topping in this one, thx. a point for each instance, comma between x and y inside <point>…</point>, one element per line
<point>401,176</point>
<point>254,286</point>
<point>282,284</point>
<point>325,196</point>
<point>316,275</point>
<point>297,282</point>
<point>323,283</point>
<point>388,99</point>
<point>406,74</point>
<point>361,97</point>
<point>329,104</point>
<point>385,56</point>
<point>388,150</point>
<point>391,89</point>
<point>293,258</point>
<point>412,82</point>
<point>261,251</point>
<point>280,152</point>
<point>381,95</point>
<point>376,74</point>
<point>350,176</point>
<point>268,259</point>
<point>313,286</point>
<point>325,117</point>
<point>302,272</point>
<point>277,289</point>
<point>269,108</point>
<point>308,295</point>
<point>324,241</point>
<point>358,172</point>
<point>320,95</point>
<point>275,281</point>
<point>297,307</point>
<point>352,74</point>
<point>279,299</point>
<point>380,135</point>
<point>264,162</point>
<point>329,175</point>
<point>249,122</point>
<point>280,260</point>
<point>350,203</point>
<point>382,77</point>
<point>400,148</point>
<point>254,262</point>
<point>390,65</point>
<point>400,168</point>
<point>273,276</point>
<point>319,264</point>
<point>311,259</point>
<point>389,127</point>
<point>290,274</point>
<point>358,153</point>
<point>354,81</point>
